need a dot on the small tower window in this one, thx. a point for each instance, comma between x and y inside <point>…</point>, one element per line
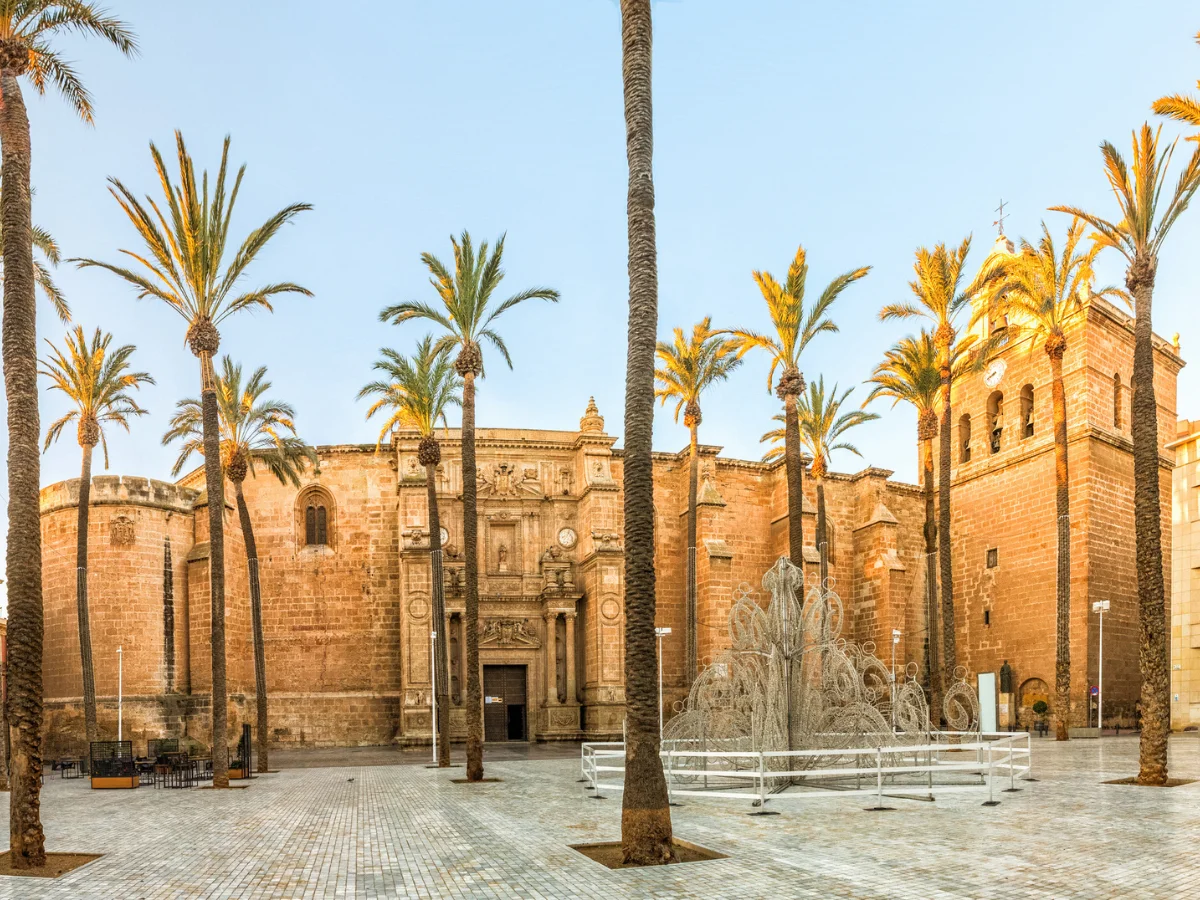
<point>315,514</point>
<point>1117,400</point>
<point>995,409</point>
<point>1027,411</point>
<point>993,557</point>
<point>964,438</point>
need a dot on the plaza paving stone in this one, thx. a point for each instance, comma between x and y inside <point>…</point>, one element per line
<point>406,831</point>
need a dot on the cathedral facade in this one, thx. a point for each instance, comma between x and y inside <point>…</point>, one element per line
<point>345,568</point>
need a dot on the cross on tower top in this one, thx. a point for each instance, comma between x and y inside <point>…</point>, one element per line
<point>999,223</point>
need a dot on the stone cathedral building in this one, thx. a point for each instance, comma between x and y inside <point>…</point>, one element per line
<point>346,573</point>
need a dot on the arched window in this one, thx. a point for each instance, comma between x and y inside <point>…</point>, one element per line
<point>1027,411</point>
<point>1117,400</point>
<point>964,438</point>
<point>315,514</point>
<point>995,420</point>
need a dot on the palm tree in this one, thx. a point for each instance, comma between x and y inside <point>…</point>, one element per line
<point>415,392</point>
<point>822,428</point>
<point>468,318</point>
<point>1041,292</point>
<point>97,381</point>
<point>45,244</point>
<point>687,367</point>
<point>185,267</point>
<point>252,431</point>
<point>793,330</point>
<point>645,812</point>
<point>910,373</point>
<point>27,30</point>
<point>940,299</point>
<point>1139,235</point>
<point>1181,107</point>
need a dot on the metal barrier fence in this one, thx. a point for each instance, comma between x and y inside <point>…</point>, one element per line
<point>953,762</point>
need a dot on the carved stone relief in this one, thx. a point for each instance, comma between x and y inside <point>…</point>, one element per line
<point>121,531</point>
<point>508,633</point>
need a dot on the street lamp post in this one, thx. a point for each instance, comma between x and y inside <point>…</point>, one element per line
<point>120,688</point>
<point>895,641</point>
<point>1100,606</point>
<point>660,633</point>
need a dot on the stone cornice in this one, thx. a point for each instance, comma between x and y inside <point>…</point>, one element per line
<point>120,490</point>
<point>1125,320</point>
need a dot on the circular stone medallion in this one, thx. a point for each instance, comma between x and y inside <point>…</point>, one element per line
<point>418,608</point>
<point>610,609</point>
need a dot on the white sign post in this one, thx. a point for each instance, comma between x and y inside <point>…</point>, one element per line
<point>660,632</point>
<point>1100,606</point>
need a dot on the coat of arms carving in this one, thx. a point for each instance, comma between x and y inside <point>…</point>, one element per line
<point>120,531</point>
<point>508,633</point>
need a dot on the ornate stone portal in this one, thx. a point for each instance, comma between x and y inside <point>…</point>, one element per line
<point>541,564</point>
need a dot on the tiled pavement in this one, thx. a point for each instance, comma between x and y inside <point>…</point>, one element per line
<point>406,831</point>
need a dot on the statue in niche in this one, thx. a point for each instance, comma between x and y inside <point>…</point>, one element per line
<point>1006,678</point>
<point>564,482</point>
<point>502,558</point>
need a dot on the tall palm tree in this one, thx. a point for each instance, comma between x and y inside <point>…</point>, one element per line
<point>415,392</point>
<point>646,837</point>
<point>687,367</point>
<point>940,298</point>
<point>468,317</point>
<point>910,373</point>
<point>97,381</point>
<point>1181,107</point>
<point>252,431</point>
<point>185,266</point>
<point>823,426</point>
<point>1041,292</point>
<point>794,328</point>
<point>28,29</point>
<point>48,247</point>
<point>1138,235</point>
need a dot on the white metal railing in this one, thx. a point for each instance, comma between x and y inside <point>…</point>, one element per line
<point>973,762</point>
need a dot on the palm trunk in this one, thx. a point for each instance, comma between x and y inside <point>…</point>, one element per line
<point>256,628</point>
<point>81,597</point>
<point>1147,505</point>
<point>24,560</point>
<point>441,675</point>
<point>692,661</point>
<point>794,468</point>
<point>645,815</point>
<point>947,571</point>
<point>470,547</point>
<point>822,534</point>
<point>931,617</point>
<point>214,483</point>
<point>1062,497</point>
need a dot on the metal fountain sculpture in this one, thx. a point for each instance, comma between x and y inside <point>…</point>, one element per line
<point>789,681</point>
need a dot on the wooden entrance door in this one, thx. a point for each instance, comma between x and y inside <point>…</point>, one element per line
<point>504,703</point>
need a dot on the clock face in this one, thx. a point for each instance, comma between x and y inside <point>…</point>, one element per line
<point>445,535</point>
<point>995,372</point>
<point>567,538</point>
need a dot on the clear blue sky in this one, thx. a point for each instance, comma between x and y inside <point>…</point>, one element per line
<point>858,129</point>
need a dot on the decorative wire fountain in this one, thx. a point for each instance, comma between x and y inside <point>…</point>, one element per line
<point>789,681</point>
